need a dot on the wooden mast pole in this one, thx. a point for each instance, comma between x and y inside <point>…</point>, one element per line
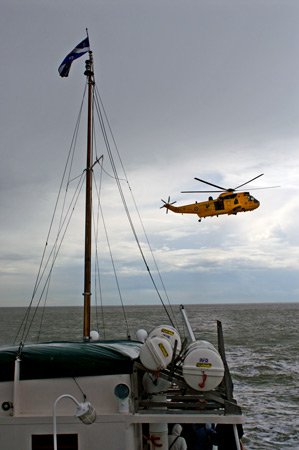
<point>88,208</point>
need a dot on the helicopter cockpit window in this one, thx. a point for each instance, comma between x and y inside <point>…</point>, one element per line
<point>250,198</point>
<point>228,197</point>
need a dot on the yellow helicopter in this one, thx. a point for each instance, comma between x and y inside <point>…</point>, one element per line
<point>228,202</point>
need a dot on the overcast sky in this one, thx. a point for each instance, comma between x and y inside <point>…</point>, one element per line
<point>203,88</point>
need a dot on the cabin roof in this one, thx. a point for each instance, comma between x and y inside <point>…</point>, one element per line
<point>69,359</point>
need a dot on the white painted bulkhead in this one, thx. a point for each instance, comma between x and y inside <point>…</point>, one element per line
<point>35,413</point>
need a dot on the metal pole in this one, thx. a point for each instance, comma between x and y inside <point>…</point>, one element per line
<point>88,207</point>
<point>238,447</point>
<point>54,415</point>
<point>17,388</point>
<point>187,323</point>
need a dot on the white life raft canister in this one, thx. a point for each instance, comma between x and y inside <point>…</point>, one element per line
<point>157,351</point>
<point>203,369</point>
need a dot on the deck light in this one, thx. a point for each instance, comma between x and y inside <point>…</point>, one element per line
<point>85,412</point>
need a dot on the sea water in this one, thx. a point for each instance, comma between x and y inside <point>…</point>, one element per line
<point>261,342</point>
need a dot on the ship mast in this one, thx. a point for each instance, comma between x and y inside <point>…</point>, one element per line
<point>88,207</point>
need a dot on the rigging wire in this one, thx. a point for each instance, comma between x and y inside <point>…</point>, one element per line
<point>100,108</point>
<point>40,274</point>
<point>113,266</point>
<point>107,237</point>
<point>97,270</point>
<point>97,102</point>
<point>43,311</point>
<point>57,248</point>
<point>97,276</point>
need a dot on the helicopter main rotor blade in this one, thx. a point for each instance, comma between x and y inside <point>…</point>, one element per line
<point>248,181</point>
<point>202,192</point>
<point>211,184</point>
<point>258,189</point>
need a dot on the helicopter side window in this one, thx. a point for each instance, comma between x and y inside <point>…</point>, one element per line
<point>236,201</point>
<point>219,205</point>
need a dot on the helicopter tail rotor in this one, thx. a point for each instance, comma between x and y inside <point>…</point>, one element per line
<point>166,204</point>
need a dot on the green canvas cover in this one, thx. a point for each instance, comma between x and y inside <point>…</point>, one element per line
<point>69,359</point>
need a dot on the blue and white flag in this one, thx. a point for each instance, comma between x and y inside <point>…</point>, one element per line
<point>78,51</point>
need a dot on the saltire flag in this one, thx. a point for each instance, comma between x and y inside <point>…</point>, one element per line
<point>78,51</point>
